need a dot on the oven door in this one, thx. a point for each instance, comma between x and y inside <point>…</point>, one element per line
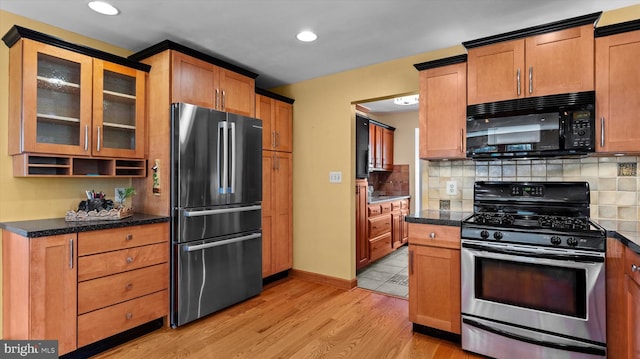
<point>548,290</point>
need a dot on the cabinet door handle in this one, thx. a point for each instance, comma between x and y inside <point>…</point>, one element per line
<point>432,235</point>
<point>128,286</point>
<point>98,146</point>
<point>129,260</point>
<point>602,131</point>
<point>273,139</point>
<point>635,268</point>
<point>86,137</point>
<point>518,82</point>
<point>128,237</point>
<point>462,141</point>
<point>224,100</point>
<point>215,105</point>
<point>129,315</point>
<point>531,79</point>
<point>70,253</point>
<point>277,139</point>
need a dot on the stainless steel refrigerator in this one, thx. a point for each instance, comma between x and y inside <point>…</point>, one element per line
<point>216,193</point>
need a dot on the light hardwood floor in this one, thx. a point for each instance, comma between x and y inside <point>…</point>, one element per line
<point>297,319</point>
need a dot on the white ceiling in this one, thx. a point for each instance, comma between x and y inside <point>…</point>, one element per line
<point>259,35</point>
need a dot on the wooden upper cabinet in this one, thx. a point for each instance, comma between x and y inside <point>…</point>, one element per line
<point>50,92</point>
<point>203,84</point>
<point>552,63</point>
<point>193,80</point>
<point>118,111</point>
<point>618,93</point>
<point>67,103</point>
<point>442,112</point>
<point>277,123</point>
<point>387,149</point>
<point>496,72</point>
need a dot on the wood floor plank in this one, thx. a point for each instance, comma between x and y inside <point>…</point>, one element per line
<point>297,319</point>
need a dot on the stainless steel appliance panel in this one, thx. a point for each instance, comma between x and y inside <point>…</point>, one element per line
<point>197,146</point>
<point>214,274</point>
<point>245,159</point>
<point>209,222</point>
<point>591,327</point>
<point>501,341</point>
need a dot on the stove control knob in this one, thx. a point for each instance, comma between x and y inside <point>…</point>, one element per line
<point>572,241</point>
<point>484,234</point>
<point>497,236</point>
<point>555,240</point>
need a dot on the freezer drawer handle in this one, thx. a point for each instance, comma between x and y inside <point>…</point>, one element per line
<point>209,212</point>
<point>198,247</point>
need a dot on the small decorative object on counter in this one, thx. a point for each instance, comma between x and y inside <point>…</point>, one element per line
<point>98,208</point>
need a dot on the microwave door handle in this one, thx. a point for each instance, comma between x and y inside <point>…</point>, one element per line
<point>544,343</point>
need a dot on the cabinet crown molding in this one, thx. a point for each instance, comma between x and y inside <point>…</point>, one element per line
<point>617,28</point>
<point>535,30</point>
<point>17,32</point>
<point>274,95</point>
<point>171,45</point>
<point>441,62</point>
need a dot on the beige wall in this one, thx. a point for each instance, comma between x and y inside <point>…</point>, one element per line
<point>35,198</point>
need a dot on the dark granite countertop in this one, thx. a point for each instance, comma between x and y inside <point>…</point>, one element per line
<point>49,227</point>
<point>379,199</point>
<point>446,218</point>
<point>630,237</point>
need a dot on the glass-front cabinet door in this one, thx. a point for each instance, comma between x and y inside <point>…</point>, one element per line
<point>56,103</point>
<point>118,110</point>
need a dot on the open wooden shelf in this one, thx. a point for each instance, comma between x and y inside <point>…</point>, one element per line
<point>37,165</point>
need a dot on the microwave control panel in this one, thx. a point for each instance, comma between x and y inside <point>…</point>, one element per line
<point>580,130</point>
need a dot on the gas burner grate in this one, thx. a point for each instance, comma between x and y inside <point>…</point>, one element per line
<point>562,222</point>
<point>494,218</point>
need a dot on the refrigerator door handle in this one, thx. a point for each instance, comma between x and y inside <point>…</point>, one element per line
<point>209,212</point>
<point>233,157</point>
<point>198,247</point>
<point>223,157</point>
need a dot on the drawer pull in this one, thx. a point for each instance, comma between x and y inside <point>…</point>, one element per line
<point>129,315</point>
<point>635,268</point>
<point>432,235</point>
<point>128,286</point>
<point>129,237</point>
<point>129,260</point>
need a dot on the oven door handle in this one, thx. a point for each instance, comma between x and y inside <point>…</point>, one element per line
<point>582,258</point>
<point>572,348</point>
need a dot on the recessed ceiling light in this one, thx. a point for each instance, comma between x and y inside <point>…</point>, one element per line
<point>306,36</point>
<point>103,8</point>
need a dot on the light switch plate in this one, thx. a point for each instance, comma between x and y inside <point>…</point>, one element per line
<point>335,177</point>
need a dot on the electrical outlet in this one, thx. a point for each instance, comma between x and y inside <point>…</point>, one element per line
<point>452,188</point>
<point>335,177</point>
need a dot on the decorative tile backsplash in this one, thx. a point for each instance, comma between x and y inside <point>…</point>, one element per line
<point>613,181</point>
<point>395,183</point>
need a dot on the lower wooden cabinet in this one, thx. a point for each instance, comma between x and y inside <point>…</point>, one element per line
<point>362,239</point>
<point>434,276</point>
<point>39,288</point>
<point>623,301</point>
<point>385,229</point>
<point>277,212</point>
<point>79,288</point>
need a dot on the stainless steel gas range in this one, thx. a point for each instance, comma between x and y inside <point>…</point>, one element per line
<point>533,272</point>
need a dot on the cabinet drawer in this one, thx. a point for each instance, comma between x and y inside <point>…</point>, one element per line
<point>631,258</point>
<point>100,265</point>
<point>404,204</point>
<point>118,238</point>
<point>111,320</point>
<point>379,225</point>
<point>386,207</point>
<point>434,235</point>
<point>102,292</point>
<point>396,205</point>
<point>374,210</point>
<point>380,247</point>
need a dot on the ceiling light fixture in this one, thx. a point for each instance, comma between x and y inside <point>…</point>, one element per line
<point>406,100</point>
<point>103,8</point>
<point>306,36</point>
